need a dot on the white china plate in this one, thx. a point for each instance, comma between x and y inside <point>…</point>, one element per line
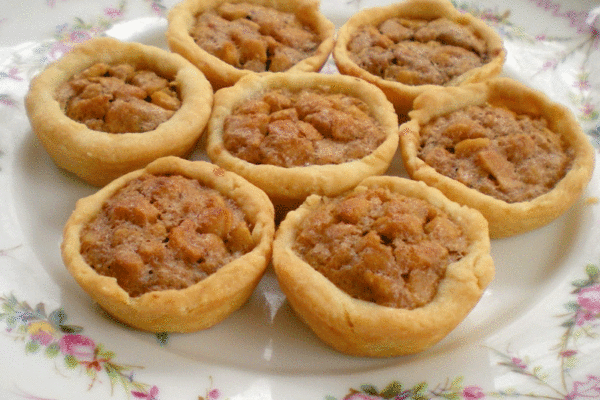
<point>534,333</point>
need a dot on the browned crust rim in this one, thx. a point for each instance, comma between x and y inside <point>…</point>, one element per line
<point>182,17</point>
<point>296,183</point>
<point>99,157</point>
<point>362,328</point>
<point>201,305</point>
<point>505,219</point>
<point>402,95</point>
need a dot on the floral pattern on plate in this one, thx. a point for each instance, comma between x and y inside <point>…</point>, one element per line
<point>582,321</point>
<point>50,335</point>
<point>576,48</point>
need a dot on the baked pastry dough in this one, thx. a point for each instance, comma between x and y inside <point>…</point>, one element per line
<point>459,48</point>
<point>186,309</point>
<point>99,157</point>
<point>266,44</point>
<point>502,139</point>
<point>294,183</point>
<point>353,325</point>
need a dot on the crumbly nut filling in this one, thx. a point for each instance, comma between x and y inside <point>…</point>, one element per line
<point>307,127</point>
<point>417,52</point>
<point>119,98</point>
<point>253,37</point>
<point>164,232</point>
<point>500,153</point>
<point>381,246</point>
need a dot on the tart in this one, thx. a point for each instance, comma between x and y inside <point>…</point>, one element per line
<point>410,46</point>
<point>387,269</point>
<point>230,39</point>
<point>109,107</point>
<point>174,247</point>
<point>293,135</point>
<point>499,147</point>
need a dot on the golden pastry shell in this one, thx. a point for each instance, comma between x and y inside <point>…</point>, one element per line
<point>400,94</point>
<point>362,328</point>
<point>296,183</point>
<point>99,157</point>
<point>196,307</point>
<point>505,219</point>
<point>182,18</point>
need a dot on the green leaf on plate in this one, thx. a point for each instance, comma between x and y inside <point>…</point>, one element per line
<point>391,390</point>
<point>592,271</point>
<point>369,389</point>
<point>53,350</point>
<point>71,362</point>
<point>71,328</point>
<point>32,346</point>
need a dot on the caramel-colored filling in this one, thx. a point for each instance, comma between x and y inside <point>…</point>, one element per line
<point>500,153</point>
<point>164,232</point>
<point>119,98</point>
<point>417,52</point>
<point>381,246</point>
<point>301,128</point>
<point>253,37</point>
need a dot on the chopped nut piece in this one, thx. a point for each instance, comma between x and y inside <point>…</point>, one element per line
<point>118,99</point>
<point>508,156</point>
<point>164,232</point>
<point>254,37</point>
<point>381,246</point>
<point>417,52</point>
<point>469,146</point>
<point>309,127</point>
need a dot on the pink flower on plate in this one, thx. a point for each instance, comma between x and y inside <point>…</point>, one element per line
<point>568,353</point>
<point>517,362</point>
<point>587,109</point>
<point>78,346</point>
<point>42,332</point>
<point>586,390</point>
<point>589,299</point>
<point>43,338</point>
<point>583,316</point>
<point>152,394</point>
<point>582,84</point>
<point>214,394</point>
<point>113,13</point>
<point>550,64</point>
<point>7,101</point>
<point>156,8</point>
<point>361,396</point>
<point>473,393</point>
<point>13,74</point>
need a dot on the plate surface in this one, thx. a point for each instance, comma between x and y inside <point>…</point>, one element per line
<point>534,333</point>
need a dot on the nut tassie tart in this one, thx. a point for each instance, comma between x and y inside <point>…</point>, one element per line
<point>109,107</point>
<point>174,247</point>
<point>293,135</point>
<point>227,40</point>
<point>411,46</point>
<point>501,148</point>
<point>387,269</point>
